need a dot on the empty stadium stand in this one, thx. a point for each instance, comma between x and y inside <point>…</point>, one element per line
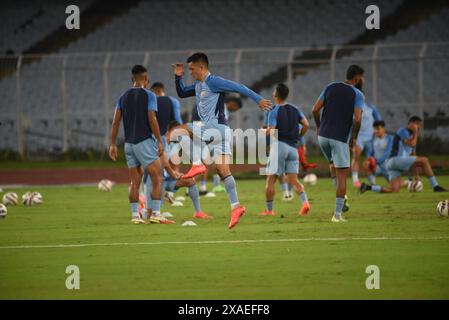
<point>65,100</point>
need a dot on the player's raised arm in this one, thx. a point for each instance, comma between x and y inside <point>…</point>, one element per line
<point>220,84</point>
<point>182,90</point>
<point>114,132</point>
<point>413,140</point>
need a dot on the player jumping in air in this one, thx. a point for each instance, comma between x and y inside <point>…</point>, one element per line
<point>209,91</point>
<point>402,158</point>
<point>143,142</point>
<point>285,118</point>
<point>342,105</point>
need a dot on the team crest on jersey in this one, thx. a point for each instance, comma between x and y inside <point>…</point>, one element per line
<point>203,93</point>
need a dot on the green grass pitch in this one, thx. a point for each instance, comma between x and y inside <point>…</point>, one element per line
<point>400,233</point>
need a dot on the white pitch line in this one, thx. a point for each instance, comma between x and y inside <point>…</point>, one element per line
<point>117,244</point>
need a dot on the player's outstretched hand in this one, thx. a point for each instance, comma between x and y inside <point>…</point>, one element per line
<point>178,69</point>
<point>113,152</point>
<point>265,104</point>
<point>177,175</point>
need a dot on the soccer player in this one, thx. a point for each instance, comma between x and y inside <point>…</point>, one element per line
<point>168,106</point>
<point>232,104</point>
<point>285,160</point>
<point>209,91</point>
<point>341,103</point>
<point>370,114</point>
<point>287,194</point>
<point>381,144</point>
<point>169,109</point>
<point>143,142</point>
<point>168,112</point>
<point>403,157</point>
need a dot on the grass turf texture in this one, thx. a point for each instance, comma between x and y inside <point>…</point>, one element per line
<point>327,268</point>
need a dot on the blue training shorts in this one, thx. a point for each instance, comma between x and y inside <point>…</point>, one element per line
<point>283,160</point>
<point>141,154</point>
<point>335,151</point>
<point>397,165</point>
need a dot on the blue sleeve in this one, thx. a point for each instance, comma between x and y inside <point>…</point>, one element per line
<point>152,101</point>
<point>321,96</point>
<point>403,133</point>
<point>376,113</point>
<point>218,84</point>
<point>387,150</point>
<point>273,117</point>
<point>183,90</point>
<point>301,115</point>
<point>118,105</point>
<point>176,109</point>
<point>359,99</point>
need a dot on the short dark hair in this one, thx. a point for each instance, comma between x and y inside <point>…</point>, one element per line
<point>173,124</point>
<point>282,91</point>
<point>234,99</point>
<point>353,71</point>
<point>199,57</point>
<point>138,69</point>
<point>379,123</point>
<point>157,85</point>
<point>414,119</point>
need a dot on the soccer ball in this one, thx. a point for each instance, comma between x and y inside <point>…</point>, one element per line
<point>3,211</point>
<point>310,179</point>
<point>415,186</point>
<point>443,208</point>
<point>10,198</point>
<point>32,198</point>
<point>25,196</point>
<point>37,198</point>
<point>105,185</point>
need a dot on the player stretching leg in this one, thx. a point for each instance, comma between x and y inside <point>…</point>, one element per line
<point>143,142</point>
<point>342,105</point>
<point>285,160</point>
<point>403,157</point>
<point>209,91</point>
<point>173,182</point>
<point>169,112</point>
